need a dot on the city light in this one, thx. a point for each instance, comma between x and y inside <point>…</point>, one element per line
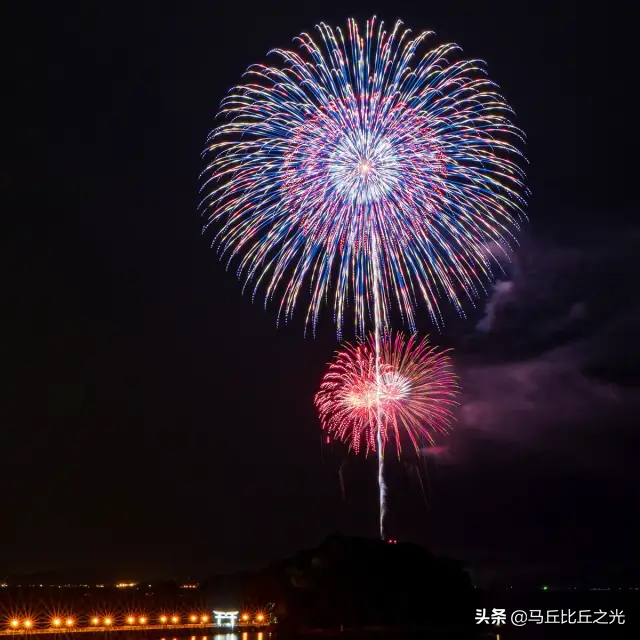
<point>124,585</point>
<point>222,619</point>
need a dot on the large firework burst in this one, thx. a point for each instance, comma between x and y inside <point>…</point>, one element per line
<point>361,169</point>
<point>363,172</point>
<point>407,398</point>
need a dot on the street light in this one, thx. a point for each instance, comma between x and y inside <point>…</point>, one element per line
<point>69,622</point>
<point>259,617</point>
<point>95,620</point>
<point>163,619</point>
<point>175,619</point>
<point>56,622</point>
<point>193,618</point>
<point>143,620</point>
<point>27,623</point>
<point>15,623</point>
<point>205,618</point>
<point>107,621</point>
<point>130,620</point>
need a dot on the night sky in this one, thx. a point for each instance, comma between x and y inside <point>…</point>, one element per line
<point>155,422</point>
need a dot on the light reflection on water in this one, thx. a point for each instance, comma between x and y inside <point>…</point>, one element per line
<point>270,635</point>
<point>267,635</point>
<point>215,635</point>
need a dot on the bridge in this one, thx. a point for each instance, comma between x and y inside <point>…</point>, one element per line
<point>224,621</point>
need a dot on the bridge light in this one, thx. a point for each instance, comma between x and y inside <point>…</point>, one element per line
<point>69,622</point>
<point>107,621</point>
<point>260,617</point>
<point>175,619</point>
<point>143,620</point>
<point>205,618</point>
<point>95,620</point>
<point>15,623</point>
<point>56,622</point>
<point>163,619</point>
<point>130,620</point>
<point>27,623</point>
<point>245,616</point>
<point>193,618</point>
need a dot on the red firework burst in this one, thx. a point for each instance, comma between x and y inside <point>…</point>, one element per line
<point>412,392</point>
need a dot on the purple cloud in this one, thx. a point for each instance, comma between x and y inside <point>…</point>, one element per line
<point>548,363</point>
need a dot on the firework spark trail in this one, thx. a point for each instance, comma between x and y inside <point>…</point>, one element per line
<point>378,337</point>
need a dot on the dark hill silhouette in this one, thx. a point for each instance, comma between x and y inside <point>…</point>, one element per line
<point>354,582</point>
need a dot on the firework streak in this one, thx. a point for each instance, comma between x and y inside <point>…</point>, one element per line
<point>363,173</point>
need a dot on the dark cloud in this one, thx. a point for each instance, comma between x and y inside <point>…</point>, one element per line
<point>553,362</point>
<point>501,291</point>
